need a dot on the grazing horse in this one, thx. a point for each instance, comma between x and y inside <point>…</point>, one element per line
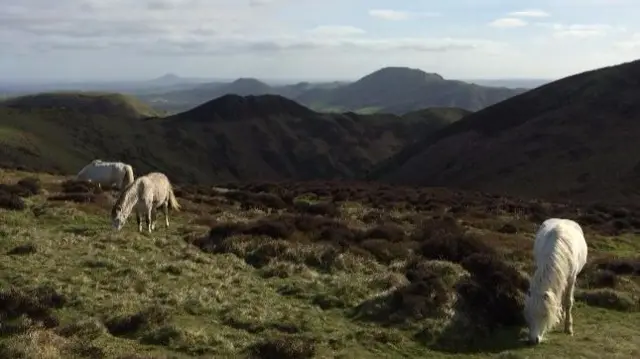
<point>560,253</point>
<point>147,193</point>
<point>107,174</point>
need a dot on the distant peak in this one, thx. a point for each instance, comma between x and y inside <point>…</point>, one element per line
<point>404,73</point>
<point>242,80</point>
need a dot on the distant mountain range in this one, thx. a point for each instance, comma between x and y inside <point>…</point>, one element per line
<point>391,89</point>
<point>396,90</point>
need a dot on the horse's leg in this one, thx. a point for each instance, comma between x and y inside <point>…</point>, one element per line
<point>165,207</point>
<point>149,210</point>
<point>154,217</point>
<point>139,220</point>
<point>567,303</point>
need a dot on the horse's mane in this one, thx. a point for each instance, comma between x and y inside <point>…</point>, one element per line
<point>127,199</point>
<point>551,276</point>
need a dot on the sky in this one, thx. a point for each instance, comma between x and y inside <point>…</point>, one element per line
<point>312,39</point>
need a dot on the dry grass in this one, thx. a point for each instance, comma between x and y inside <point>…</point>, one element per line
<point>254,273</point>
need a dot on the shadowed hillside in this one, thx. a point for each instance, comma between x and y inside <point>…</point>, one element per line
<point>231,137</point>
<point>272,137</point>
<point>395,90</point>
<point>573,138</point>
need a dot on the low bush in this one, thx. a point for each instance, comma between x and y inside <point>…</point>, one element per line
<point>35,303</point>
<point>446,240</point>
<point>11,201</point>
<point>284,347</point>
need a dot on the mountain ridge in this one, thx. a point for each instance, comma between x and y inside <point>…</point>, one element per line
<point>228,138</point>
<point>577,130</point>
<point>392,89</point>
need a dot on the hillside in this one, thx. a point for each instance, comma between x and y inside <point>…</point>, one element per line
<point>229,138</point>
<point>390,90</point>
<point>573,138</point>
<point>89,103</point>
<point>299,271</point>
<point>271,136</point>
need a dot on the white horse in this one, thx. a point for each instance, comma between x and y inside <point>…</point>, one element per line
<point>147,193</point>
<point>560,253</point>
<point>107,174</point>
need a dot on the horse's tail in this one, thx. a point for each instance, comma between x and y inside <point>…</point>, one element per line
<point>128,175</point>
<point>173,202</point>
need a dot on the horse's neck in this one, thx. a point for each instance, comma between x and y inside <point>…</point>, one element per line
<point>130,198</point>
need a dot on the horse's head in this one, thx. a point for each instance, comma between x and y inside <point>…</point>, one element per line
<point>539,312</point>
<point>117,219</point>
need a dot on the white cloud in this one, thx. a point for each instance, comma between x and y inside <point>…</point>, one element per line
<point>397,15</point>
<point>529,13</point>
<point>582,30</point>
<point>260,2</point>
<point>189,27</point>
<point>114,38</point>
<point>632,43</point>
<point>508,22</point>
<point>336,30</point>
<point>183,47</point>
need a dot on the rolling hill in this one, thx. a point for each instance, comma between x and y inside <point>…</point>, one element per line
<point>573,138</point>
<point>88,103</point>
<point>229,138</point>
<point>389,90</point>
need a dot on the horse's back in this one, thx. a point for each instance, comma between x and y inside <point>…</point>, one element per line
<point>96,168</point>
<point>156,185</point>
<point>556,231</point>
<point>158,178</point>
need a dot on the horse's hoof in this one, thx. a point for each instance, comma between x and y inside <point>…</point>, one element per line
<point>534,341</point>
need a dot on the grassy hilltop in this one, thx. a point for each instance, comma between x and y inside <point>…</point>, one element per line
<point>300,270</point>
<point>90,103</point>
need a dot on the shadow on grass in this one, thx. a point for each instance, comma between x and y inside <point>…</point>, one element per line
<point>456,340</point>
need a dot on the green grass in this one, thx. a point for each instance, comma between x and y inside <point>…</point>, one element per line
<point>217,305</point>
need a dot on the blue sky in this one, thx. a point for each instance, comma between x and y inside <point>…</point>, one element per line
<point>312,39</point>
